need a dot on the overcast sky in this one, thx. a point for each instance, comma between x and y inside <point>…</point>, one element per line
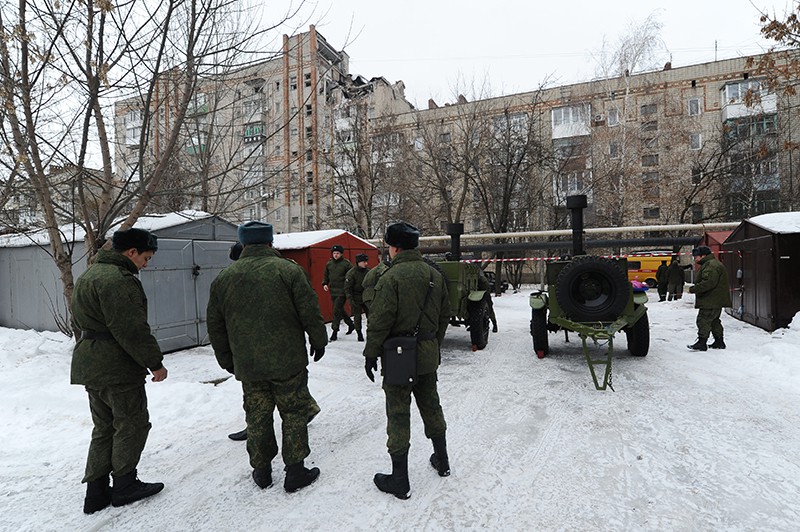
<point>432,44</point>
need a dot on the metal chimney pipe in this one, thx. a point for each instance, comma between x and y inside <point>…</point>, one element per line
<point>576,204</point>
<point>455,230</point>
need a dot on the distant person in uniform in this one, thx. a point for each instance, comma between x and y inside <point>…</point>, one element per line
<point>675,280</point>
<point>333,281</point>
<point>259,311</point>
<point>712,293</point>
<point>409,292</point>
<point>661,280</point>
<point>354,290</point>
<point>370,280</point>
<point>114,352</point>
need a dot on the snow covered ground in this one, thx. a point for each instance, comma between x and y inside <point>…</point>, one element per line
<point>689,441</point>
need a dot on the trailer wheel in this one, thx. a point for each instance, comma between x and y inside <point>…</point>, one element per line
<point>478,324</point>
<point>592,289</point>
<point>541,345</point>
<point>638,336</point>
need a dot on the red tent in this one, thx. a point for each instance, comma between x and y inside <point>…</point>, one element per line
<point>312,250</point>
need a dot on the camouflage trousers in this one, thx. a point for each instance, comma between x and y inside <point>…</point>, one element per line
<point>260,400</point>
<point>675,290</point>
<point>357,307</point>
<point>121,425</point>
<point>398,412</point>
<point>339,313</point>
<point>708,322</point>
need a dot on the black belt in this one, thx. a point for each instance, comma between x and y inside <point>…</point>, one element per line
<point>93,335</point>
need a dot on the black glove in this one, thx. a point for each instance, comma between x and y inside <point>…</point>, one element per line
<point>317,353</point>
<point>370,365</point>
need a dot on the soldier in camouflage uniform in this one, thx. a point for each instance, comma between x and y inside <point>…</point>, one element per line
<point>369,282</point>
<point>712,293</point>
<point>401,296</point>
<point>333,282</point>
<point>113,354</point>
<point>264,346</point>
<point>354,289</point>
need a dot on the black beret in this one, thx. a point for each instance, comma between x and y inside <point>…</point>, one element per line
<point>337,247</point>
<point>236,251</point>
<point>362,257</point>
<point>402,235</point>
<point>701,250</point>
<point>140,239</point>
<point>255,232</point>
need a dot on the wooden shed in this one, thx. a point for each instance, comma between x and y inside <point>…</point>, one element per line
<point>312,250</point>
<point>762,257</point>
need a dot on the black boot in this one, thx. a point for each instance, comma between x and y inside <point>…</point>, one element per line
<point>350,327</point>
<point>127,489</point>
<point>699,345</point>
<point>360,335</point>
<point>334,336</point>
<point>717,344</point>
<point>313,410</point>
<point>439,459</point>
<point>98,495</point>
<point>238,436</point>
<point>297,477</point>
<point>397,482</point>
<point>263,477</point>
<point>494,326</point>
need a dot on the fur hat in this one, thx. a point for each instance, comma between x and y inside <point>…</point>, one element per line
<point>337,247</point>
<point>700,251</point>
<point>402,235</point>
<point>361,257</point>
<point>255,232</point>
<point>140,239</point>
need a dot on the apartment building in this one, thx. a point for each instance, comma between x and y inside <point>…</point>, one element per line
<point>300,141</point>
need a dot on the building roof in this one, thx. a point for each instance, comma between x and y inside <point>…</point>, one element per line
<point>778,222</point>
<point>306,239</point>
<point>73,233</point>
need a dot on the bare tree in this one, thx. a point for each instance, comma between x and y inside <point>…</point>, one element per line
<point>62,64</point>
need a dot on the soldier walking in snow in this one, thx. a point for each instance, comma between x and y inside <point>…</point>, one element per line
<point>112,356</point>
<point>711,295</point>
<point>333,282</point>
<point>409,294</point>
<point>264,346</point>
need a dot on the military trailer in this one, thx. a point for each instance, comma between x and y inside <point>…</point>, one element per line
<point>467,300</point>
<point>591,296</point>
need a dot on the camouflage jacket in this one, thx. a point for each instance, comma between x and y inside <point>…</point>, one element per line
<point>711,288</point>
<point>108,298</point>
<point>399,297</point>
<point>353,284</point>
<point>335,272</point>
<point>370,280</point>
<point>259,311</point>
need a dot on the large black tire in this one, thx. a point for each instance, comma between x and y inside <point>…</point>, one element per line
<point>592,289</point>
<point>541,345</point>
<point>638,337</point>
<point>478,323</point>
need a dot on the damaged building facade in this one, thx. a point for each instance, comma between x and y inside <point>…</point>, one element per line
<point>301,142</point>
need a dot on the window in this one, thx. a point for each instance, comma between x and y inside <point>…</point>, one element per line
<point>476,225</point>
<point>310,177</point>
<point>652,212</point>
<point>277,85</point>
<point>650,143</point>
<point>444,137</point>
<point>694,107</point>
<point>133,127</point>
<point>695,141</point>
<point>570,115</point>
<point>308,110</point>
<point>648,109</point>
<point>737,92</point>
<point>293,83</point>
<point>309,155</point>
<point>650,159</point>
<point>310,198</point>
<point>652,125</point>
<point>697,213</point>
<point>614,150</point>
<point>307,79</point>
<point>309,132</point>
<point>650,185</point>
<point>293,132</point>
<point>697,176</point>
<point>419,143</point>
<point>613,117</point>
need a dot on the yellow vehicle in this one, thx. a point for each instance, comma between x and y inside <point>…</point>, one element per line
<point>642,265</point>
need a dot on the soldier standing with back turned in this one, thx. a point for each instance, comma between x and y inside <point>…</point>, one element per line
<point>354,290</point>
<point>408,290</point>
<point>333,282</point>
